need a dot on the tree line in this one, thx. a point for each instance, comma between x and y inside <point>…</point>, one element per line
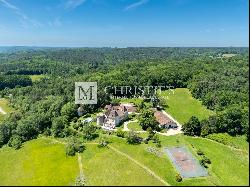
<point>47,106</point>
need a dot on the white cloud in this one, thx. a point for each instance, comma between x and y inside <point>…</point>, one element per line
<point>72,4</point>
<point>8,5</point>
<point>135,5</point>
<point>24,19</point>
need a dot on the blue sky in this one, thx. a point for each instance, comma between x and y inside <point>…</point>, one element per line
<point>122,23</point>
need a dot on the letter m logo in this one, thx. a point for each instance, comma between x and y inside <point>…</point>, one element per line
<point>86,93</point>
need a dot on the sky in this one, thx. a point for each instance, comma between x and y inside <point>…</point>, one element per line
<point>124,23</point>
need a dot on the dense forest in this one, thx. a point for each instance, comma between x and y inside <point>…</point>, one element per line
<point>47,106</point>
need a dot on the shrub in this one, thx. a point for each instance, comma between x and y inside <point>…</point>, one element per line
<point>70,150</point>
<point>155,139</point>
<point>103,142</point>
<point>203,163</point>
<point>178,177</point>
<point>133,138</point>
<point>145,141</point>
<point>15,142</point>
<point>151,133</point>
<point>199,152</point>
<point>73,147</point>
<point>158,144</point>
<point>120,133</point>
<point>223,138</point>
<point>206,160</point>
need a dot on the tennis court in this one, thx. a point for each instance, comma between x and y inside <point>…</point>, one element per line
<point>186,164</point>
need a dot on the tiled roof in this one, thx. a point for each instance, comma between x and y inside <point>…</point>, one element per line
<point>162,118</point>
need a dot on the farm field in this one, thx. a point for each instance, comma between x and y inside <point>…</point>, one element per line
<point>181,105</point>
<point>43,162</point>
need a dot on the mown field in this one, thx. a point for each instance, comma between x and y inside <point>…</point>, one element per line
<point>38,162</point>
<point>135,126</point>
<point>229,169</point>
<point>43,162</point>
<point>181,105</point>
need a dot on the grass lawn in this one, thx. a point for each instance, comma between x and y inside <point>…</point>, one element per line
<point>43,162</point>
<point>181,105</point>
<point>104,167</point>
<point>35,78</point>
<point>134,126</point>
<point>160,165</point>
<point>38,162</point>
<point>229,167</point>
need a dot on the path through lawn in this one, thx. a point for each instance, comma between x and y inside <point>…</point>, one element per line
<point>141,165</point>
<point>149,171</point>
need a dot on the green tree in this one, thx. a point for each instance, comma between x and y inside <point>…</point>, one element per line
<point>232,121</point>
<point>147,119</point>
<point>58,126</point>
<point>26,129</point>
<point>192,127</point>
<point>209,126</point>
<point>69,111</point>
<point>89,132</point>
<point>74,146</point>
<point>5,133</point>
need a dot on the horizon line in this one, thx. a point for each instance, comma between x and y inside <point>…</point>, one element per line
<point>44,46</point>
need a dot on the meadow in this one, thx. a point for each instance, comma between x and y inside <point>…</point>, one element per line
<point>43,162</point>
<point>181,105</point>
<point>38,162</point>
